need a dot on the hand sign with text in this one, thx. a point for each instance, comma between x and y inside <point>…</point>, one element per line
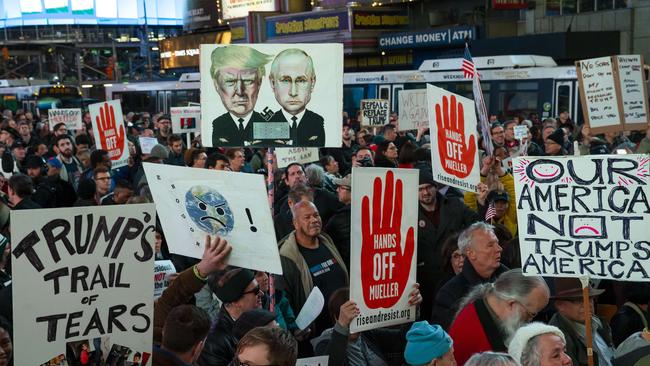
<point>385,259</point>
<point>456,155</point>
<point>111,135</point>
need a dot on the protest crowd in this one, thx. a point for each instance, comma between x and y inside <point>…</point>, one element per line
<point>474,304</point>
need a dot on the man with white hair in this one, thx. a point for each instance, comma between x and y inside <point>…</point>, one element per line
<point>539,344</point>
<point>482,254</point>
<point>491,314</point>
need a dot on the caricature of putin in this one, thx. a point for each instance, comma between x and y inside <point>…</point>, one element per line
<point>237,73</point>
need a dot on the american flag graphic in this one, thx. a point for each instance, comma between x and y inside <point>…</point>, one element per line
<point>491,212</point>
<point>468,64</point>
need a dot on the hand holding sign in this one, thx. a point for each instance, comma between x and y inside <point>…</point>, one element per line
<point>459,156</point>
<point>214,256</point>
<point>111,139</point>
<point>384,266</point>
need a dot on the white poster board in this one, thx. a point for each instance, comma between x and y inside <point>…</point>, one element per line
<point>79,274</point>
<point>161,272</point>
<point>313,361</point>
<point>454,139</point>
<point>598,93</point>
<point>109,131</point>
<point>634,91</point>
<point>272,97</point>
<point>382,251</point>
<point>413,111</point>
<point>374,112</point>
<point>185,119</point>
<point>302,155</point>
<point>71,117</point>
<point>147,143</point>
<point>584,216</point>
<point>193,203</point>
<point>521,132</point>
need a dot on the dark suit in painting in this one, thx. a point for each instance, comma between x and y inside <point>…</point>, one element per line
<point>225,131</point>
<point>310,131</point>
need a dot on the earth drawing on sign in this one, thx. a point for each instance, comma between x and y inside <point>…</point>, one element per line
<point>209,210</point>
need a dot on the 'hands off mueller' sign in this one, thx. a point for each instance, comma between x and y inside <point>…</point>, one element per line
<point>584,216</point>
<point>430,38</point>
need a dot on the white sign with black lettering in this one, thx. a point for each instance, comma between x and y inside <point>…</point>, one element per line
<point>71,117</point>
<point>599,94</point>
<point>633,89</point>
<point>302,155</point>
<point>413,111</point>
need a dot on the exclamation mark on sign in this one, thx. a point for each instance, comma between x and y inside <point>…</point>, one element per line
<point>250,219</point>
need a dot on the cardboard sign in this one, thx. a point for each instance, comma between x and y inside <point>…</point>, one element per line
<point>302,155</point>
<point>521,132</point>
<point>109,131</point>
<point>161,273</point>
<point>81,274</point>
<point>584,216</point>
<point>147,143</point>
<point>70,116</point>
<point>454,151</point>
<point>384,236</point>
<point>599,95</point>
<point>413,111</point>
<point>634,91</point>
<point>193,203</point>
<point>185,119</point>
<point>375,112</point>
<point>254,95</point>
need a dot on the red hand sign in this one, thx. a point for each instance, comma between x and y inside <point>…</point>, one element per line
<point>384,268</point>
<point>110,138</point>
<point>456,156</point>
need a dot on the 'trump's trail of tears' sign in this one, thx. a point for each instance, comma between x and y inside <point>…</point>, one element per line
<point>82,274</point>
<point>584,216</point>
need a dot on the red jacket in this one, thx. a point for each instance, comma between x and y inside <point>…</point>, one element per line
<point>474,331</point>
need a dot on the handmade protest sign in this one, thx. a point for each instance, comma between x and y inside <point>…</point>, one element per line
<point>185,119</point>
<point>193,203</point>
<point>147,143</point>
<point>453,138</point>
<point>374,112</point>
<point>634,91</point>
<point>109,131</point>
<point>162,270</point>
<point>599,94</point>
<point>71,117</point>
<point>382,257</point>
<point>300,155</point>
<point>281,95</point>
<point>584,216</point>
<point>413,111</point>
<point>81,274</point>
<point>521,132</point>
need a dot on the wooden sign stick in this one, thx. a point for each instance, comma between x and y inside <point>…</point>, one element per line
<point>587,306</point>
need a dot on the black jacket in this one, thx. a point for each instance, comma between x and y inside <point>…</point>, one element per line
<point>626,322</point>
<point>225,131</point>
<point>220,346</point>
<point>338,228</point>
<point>311,130</point>
<point>454,217</point>
<point>575,347</point>
<point>326,203</point>
<point>175,159</point>
<point>450,295</point>
<point>26,204</point>
<point>54,192</point>
<point>283,224</point>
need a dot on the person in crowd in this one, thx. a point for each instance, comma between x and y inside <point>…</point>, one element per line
<point>59,129</point>
<point>331,166</point>
<point>498,135</point>
<point>388,133</point>
<point>363,157</point>
<point>6,345</point>
<point>309,258</point>
<point>452,260</point>
<point>98,158</point>
<point>120,195</point>
<point>266,346</point>
<point>509,141</point>
<point>240,292</point>
<point>20,192</point>
<point>86,193</point>
<point>72,167</point>
<point>539,344</point>
<point>175,151</point>
<point>554,143</point>
<point>316,178</point>
<point>283,222</point>
<point>183,336</point>
<point>82,155</point>
<point>195,158</point>
<point>504,214</point>
<point>164,129</point>
<point>102,177</point>
<point>491,359</point>
<point>26,134</point>
<point>564,121</point>
<point>386,155</point>
<point>217,161</point>
<point>634,351</point>
<point>633,316</point>
<point>407,157</point>
<point>438,218</point>
<point>253,319</point>
<point>338,226</point>
<point>236,160</point>
<point>348,148</point>
<point>570,318</point>
<point>52,191</point>
<point>490,314</point>
<point>429,345</point>
<point>20,154</point>
<point>382,346</point>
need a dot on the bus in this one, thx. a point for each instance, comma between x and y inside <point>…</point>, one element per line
<point>39,98</point>
<point>512,86</point>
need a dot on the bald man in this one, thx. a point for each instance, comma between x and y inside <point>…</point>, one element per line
<point>310,258</point>
<point>237,73</point>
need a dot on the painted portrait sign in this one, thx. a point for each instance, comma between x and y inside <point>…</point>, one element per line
<point>283,95</point>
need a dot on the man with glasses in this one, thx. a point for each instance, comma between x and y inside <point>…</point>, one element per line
<point>102,183</point>
<point>438,218</point>
<point>498,134</point>
<point>240,292</point>
<point>491,313</point>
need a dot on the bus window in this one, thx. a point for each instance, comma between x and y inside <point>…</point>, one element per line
<point>395,100</point>
<point>518,98</point>
<point>384,92</point>
<point>352,99</point>
<point>563,97</point>
<point>181,98</point>
<point>141,101</point>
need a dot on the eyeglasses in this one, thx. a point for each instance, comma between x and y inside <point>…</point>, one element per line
<point>529,314</point>
<point>255,291</point>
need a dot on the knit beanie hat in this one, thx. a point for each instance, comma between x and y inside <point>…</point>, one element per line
<point>426,342</point>
<point>233,289</point>
<point>557,136</point>
<point>525,333</point>
<point>251,319</point>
